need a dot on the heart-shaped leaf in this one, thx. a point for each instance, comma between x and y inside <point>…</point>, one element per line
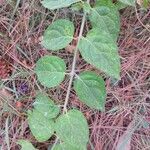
<point>50,70</point>
<point>58,35</point>
<point>41,127</point>
<point>105,17</point>
<point>46,106</point>
<point>55,4</point>
<point>72,128</point>
<point>91,90</point>
<point>26,145</point>
<point>98,49</point>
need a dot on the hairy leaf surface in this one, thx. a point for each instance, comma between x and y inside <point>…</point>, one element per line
<point>98,49</point>
<point>50,70</point>
<point>26,145</point>
<point>63,146</point>
<point>72,128</point>
<point>55,4</point>
<point>46,106</point>
<point>105,17</point>
<point>128,2</point>
<point>91,90</point>
<point>58,35</point>
<point>41,127</point>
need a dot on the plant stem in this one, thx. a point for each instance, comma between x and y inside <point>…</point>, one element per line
<point>74,62</point>
<point>72,73</point>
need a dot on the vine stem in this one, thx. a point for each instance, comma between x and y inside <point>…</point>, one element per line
<point>72,73</point>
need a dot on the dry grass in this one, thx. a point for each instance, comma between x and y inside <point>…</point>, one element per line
<point>127,113</point>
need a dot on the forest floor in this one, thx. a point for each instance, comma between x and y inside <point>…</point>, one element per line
<point>127,116</point>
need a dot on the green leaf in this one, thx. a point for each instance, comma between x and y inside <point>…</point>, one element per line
<point>55,4</point>
<point>146,4</point>
<point>101,51</point>
<point>26,145</point>
<point>120,5</point>
<point>72,128</point>
<point>86,7</point>
<point>128,2</point>
<point>77,6</point>
<point>46,106</point>
<point>63,146</point>
<point>50,70</point>
<point>104,3</point>
<point>58,35</point>
<point>41,127</point>
<point>91,90</point>
<point>105,17</point>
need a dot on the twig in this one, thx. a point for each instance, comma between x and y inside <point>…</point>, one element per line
<point>137,15</point>
<point>74,62</point>
<point>13,108</point>
<point>72,73</point>
<point>7,134</point>
<point>14,11</point>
